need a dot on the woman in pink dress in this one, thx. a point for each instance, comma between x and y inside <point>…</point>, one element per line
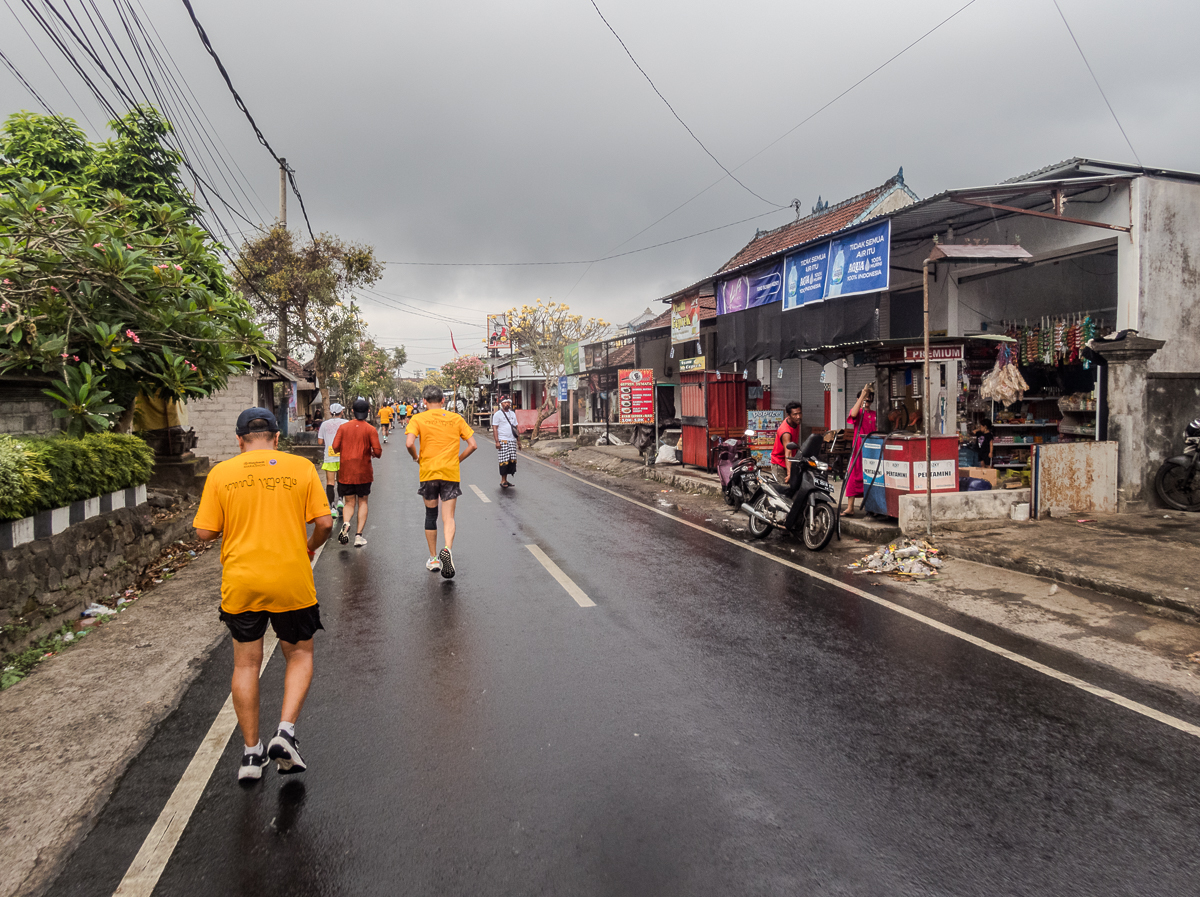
<point>862,419</point>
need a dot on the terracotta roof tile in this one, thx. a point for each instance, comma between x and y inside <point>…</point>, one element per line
<point>708,311</point>
<point>797,233</point>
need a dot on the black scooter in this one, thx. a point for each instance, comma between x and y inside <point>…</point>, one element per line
<point>806,503</point>
<point>736,468</point>
<point>1178,480</point>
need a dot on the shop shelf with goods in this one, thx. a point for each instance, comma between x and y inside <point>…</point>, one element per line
<point>1034,420</point>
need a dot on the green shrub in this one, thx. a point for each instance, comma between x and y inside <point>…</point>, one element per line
<point>39,473</point>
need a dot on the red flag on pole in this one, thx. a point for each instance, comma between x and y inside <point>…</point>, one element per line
<point>452,340</point>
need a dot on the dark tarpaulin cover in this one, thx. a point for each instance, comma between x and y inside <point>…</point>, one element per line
<point>770,332</point>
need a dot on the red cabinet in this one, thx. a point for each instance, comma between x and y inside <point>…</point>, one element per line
<point>713,404</point>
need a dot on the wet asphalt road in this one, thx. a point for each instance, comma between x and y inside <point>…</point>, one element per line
<point>717,724</point>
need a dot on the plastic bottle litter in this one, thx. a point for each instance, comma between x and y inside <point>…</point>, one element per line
<point>95,610</point>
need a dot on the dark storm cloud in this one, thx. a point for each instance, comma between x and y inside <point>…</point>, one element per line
<point>521,132</point>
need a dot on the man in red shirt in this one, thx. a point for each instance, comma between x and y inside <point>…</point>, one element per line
<point>789,431</point>
<point>357,442</point>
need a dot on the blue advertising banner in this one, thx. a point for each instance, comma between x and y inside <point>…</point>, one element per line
<point>859,262</point>
<point>760,287</point>
<point>563,389</point>
<point>804,274</point>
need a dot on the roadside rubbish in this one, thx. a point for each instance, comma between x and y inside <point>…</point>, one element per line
<point>914,558</point>
<point>95,610</point>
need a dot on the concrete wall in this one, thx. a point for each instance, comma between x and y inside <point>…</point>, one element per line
<point>214,418</point>
<point>1169,272</point>
<point>990,505</point>
<point>1172,400</point>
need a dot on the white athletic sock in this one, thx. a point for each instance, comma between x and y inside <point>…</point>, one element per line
<point>256,750</point>
<point>290,728</point>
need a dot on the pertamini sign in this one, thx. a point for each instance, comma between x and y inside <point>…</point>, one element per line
<point>635,396</point>
<point>936,353</point>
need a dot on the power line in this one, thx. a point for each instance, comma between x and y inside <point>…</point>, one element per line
<point>604,258</point>
<point>1111,110</point>
<point>699,142</point>
<point>17,72</point>
<point>241,105</point>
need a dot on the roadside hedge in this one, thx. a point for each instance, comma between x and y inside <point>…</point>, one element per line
<point>40,473</point>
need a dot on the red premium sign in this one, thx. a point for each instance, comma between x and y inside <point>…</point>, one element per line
<point>635,396</point>
<point>936,353</point>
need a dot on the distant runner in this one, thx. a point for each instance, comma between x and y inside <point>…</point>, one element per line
<point>385,419</point>
<point>260,501</point>
<point>440,432</point>
<point>357,442</point>
<point>331,461</point>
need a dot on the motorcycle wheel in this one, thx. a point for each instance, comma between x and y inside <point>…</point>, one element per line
<point>1179,486</point>
<point>817,535</point>
<point>757,528</point>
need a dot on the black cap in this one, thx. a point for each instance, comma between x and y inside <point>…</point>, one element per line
<point>360,408</point>
<point>252,415</point>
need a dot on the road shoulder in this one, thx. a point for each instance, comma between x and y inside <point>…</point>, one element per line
<point>69,731</point>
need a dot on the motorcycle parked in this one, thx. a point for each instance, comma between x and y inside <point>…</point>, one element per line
<point>1178,480</point>
<point>736,468</point>
<point>806,503</point>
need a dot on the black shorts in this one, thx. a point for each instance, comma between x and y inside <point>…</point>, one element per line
<point>290,625</point>
<point>345,489</point>
<point>432,490</point>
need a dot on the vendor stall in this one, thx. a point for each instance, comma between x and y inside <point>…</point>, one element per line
<point>714,405</point>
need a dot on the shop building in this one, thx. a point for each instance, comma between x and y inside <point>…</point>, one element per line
<point>1105,247</point>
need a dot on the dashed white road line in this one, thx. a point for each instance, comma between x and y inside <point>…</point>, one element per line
<point>1102,693</point>
<point>565,581</point>
<point>479,492</point>
<point>147,867</point>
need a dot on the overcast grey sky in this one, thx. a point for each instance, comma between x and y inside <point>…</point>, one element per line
<point>521,132</point>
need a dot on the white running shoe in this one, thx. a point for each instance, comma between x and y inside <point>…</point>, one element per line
<point>344,534</point>
<point>433,565</point>
<point>359,541</point>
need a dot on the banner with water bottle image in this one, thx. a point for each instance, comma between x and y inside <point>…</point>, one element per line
<point>846,266</point>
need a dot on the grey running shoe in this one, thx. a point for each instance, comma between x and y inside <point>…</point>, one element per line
<point>433,565</point>
<point>252,767</point>
<point>359,541</point>
<point>284,749</point>
<point>447,560</point>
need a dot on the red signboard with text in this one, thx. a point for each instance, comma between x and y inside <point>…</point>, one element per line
<point>635,396</point>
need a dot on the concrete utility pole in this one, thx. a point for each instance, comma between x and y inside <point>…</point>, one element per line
<point>283,334</point>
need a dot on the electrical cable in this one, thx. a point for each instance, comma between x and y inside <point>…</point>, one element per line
<point>53,70</point>
<point>692,133</point>
<point>241,105</point>
<point>586,261</point>
<point>1098,87</point>
<point>29,87</point>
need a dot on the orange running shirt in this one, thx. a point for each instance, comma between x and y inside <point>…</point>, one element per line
<point>439,431</point>
<point>261,500</point>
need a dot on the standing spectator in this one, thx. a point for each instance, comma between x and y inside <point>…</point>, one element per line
<point>440,433</point>
<point>260,501</point>
<point>862,419</point>
<point>357,442</point>
<point>504,432</point>
<point>788,432</point>
<point>331,461</point>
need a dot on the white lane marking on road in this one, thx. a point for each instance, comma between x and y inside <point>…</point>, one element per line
<point>1103,693</point>
<point>479,492</point>
<point>147,867</point>
<point>565,581</point>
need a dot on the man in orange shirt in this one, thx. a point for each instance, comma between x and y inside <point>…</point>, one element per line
<point>440,433</point>
<point>357,442</point>
<point>260,501</point>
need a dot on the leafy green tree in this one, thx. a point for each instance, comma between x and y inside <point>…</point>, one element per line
<point>103,264</point>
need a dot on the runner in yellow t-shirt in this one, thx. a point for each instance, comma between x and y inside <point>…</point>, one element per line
<point>385,419</point>
<point>440,433</point>
<point>260,501</point>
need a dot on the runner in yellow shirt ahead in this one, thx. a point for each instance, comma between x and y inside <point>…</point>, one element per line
<point>440,433</point>
<point>385,419</point>
<point>260,501</point>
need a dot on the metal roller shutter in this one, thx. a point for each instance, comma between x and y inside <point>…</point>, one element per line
<point>856,379</point>
<point>786,388</point>
<point>812,393</point>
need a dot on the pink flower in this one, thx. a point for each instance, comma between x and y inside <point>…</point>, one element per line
<point>41,208</point>
<point>64,355</point>
<point>76,357</point>
<point>96,245</point>
<point>178,267</point>
<point>54,288</point>
<point>127,246</point>
<point>133,336</point>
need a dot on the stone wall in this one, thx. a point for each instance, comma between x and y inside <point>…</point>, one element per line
<point>48,580</point>
<point>25,410</point>
<point>214,418</point>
